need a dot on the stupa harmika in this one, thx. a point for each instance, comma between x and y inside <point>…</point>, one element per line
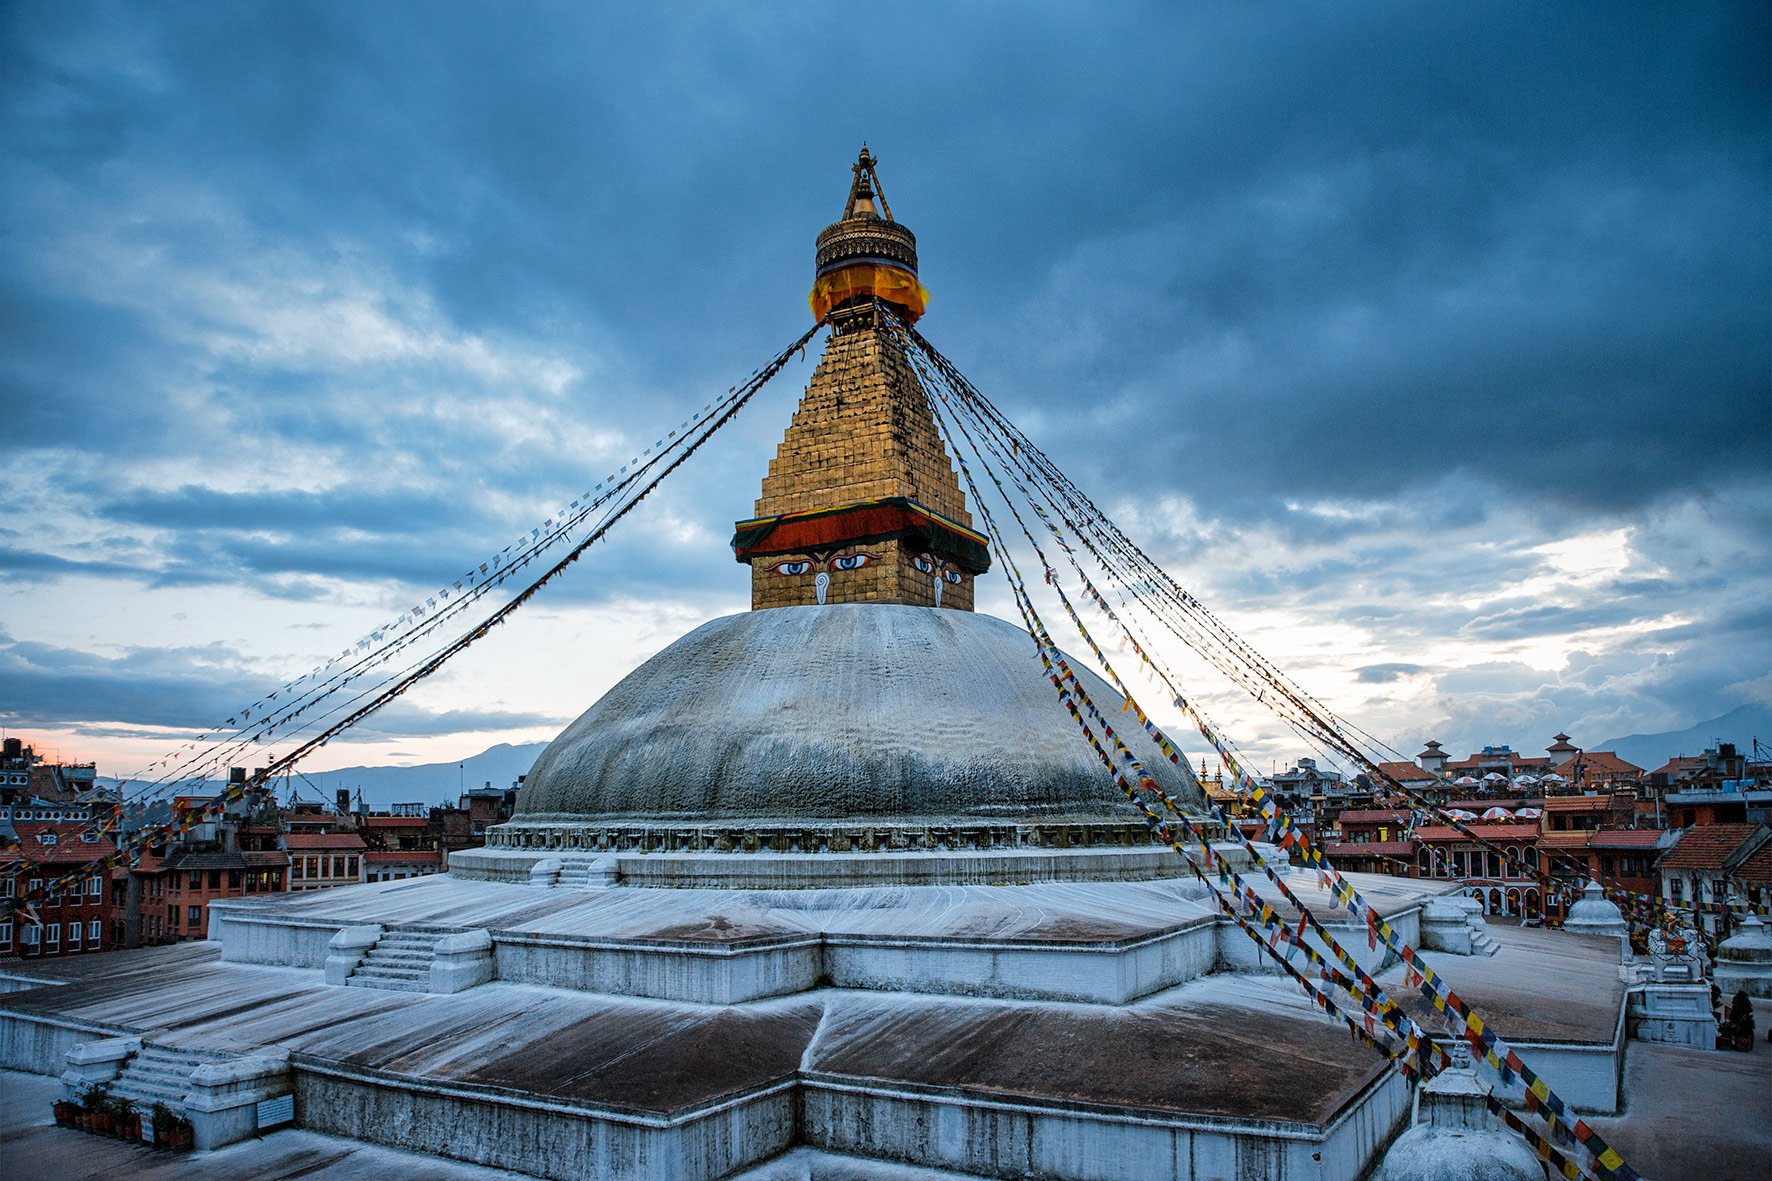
<point>823,886</point>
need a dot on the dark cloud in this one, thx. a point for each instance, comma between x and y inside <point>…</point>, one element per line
<point>151,691</point>
<point>306,293</point>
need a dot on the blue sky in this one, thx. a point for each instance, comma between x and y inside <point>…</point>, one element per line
<point>1432,347</point>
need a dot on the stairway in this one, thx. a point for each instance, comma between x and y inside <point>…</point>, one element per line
<point>575,874</point>
<point>1481,944</point>
<point>159,1074</point>
<point>400,961</point>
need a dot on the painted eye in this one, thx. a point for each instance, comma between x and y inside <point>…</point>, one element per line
<point>924,564</point>
<point>952,576</point>
<point>791,567</point>
<point>852,561</point>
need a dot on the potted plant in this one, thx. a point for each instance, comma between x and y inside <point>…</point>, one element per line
<point>66,1110</point>
<point>129,1123</point>
<point>181,1136</point>
<point>98,1106</point>
<point>163,1118</point>
<point>1741,1020</point>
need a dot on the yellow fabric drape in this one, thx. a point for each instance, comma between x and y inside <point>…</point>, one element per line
<point>901,287</point>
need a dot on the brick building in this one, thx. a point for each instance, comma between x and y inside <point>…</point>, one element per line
<point>1502,871</point>
<point>49,922</point>
<point>318,860</point>
<point>1700,871</point>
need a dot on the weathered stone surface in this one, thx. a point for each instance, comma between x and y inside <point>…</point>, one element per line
<point>849,712</point>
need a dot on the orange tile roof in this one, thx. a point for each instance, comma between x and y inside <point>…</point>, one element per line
<point>1626,838</point>
<point>68,848</point>
<point>307,842</point>
<point>1706,846</point>
<point>408,856</point>
<point>1757,869</point>
<point>396,821</point>
<point>1408,773</point>
<point>1375,816</point>
<point>1577,804</point>
<point>1488,832</point>
<point>1603,760</point>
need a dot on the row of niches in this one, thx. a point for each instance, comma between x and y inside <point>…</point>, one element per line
<point>801,838</point>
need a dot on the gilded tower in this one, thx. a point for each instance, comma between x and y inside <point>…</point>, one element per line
<point>861,503</point>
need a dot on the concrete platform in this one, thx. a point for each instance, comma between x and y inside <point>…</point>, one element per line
<point>1697,1115</point>
<point>28,1134</point>
<point>1104,1030</point>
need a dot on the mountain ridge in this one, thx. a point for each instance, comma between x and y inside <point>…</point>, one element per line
<point>1740,725</point>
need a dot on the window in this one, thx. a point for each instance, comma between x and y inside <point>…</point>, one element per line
<point>36,887</point>
<point>9,887</point>
<point>6,933</point>
<point>338,867</point>
<point>193,917</point>
<point>94,932</point>
<point>46,838</point>
<point>196,879</point>
<point>73,936</point>
<point>52,937</point>
<point>298,867</point>
<point>29,936</point>
<point>233,879</point>
<point>95,888</point>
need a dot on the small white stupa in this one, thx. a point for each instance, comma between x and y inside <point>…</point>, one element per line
<point>1455,1136</point>
<point>1594,915</point>
<point>1744,960</point>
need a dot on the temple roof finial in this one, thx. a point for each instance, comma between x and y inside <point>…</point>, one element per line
<point>864,188</point>
<point>866,254</point>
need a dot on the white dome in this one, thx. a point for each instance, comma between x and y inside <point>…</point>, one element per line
<point>845,713</point>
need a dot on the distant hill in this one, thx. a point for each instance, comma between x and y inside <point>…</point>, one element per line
<point>427,783</point>
<point>1649,751</point>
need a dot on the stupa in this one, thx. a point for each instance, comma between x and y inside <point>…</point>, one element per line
<point>861,705</point>
<point>831,887</point>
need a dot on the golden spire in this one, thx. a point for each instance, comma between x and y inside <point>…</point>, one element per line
<point>866,255</point>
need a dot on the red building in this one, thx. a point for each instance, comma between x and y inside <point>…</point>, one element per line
<point>1501,870</point>
<point>321,859</point>
<point>48,922</point>
<point>406,844</point>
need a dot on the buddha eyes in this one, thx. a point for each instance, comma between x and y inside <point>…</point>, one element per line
<point>927,565</point>
<point>803,566</point>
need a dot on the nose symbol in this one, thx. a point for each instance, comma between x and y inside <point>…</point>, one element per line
<point>823,583</point>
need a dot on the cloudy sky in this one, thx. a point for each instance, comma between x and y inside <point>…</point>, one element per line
<point>1432,345</point>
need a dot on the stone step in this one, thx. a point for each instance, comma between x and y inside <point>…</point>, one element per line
<point>380,955</point>
<point>381,972</point>
<point>388,985</point>
<point>144,1094</point>
<point>168,1054</point>
<point>170,1071</point>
